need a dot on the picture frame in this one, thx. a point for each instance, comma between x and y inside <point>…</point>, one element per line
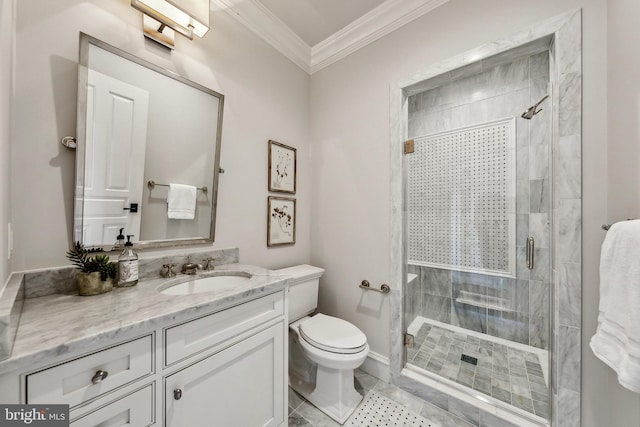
<point>282,168</point>
<point>281,221</point>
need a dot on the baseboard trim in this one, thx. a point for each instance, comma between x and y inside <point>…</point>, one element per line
<point>377,365</point>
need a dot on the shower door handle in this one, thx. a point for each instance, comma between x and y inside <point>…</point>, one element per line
<point>530,248</point>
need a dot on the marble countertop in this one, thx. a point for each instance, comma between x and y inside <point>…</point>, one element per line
<point>54,325</point>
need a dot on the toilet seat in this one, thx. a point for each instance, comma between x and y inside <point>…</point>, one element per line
<point>332,334</point>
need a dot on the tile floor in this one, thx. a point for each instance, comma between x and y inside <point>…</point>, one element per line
<point>508,374</point>
<point>302,413</point>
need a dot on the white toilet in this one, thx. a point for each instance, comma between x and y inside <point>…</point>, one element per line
<point>323,350</point>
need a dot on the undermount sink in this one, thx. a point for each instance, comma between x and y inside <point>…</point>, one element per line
<point>211,283</point>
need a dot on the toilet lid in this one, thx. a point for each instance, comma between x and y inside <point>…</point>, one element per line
<point>332,334</point>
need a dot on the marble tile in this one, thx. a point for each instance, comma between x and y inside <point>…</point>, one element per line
<point>522,296</point>
<point>469,317</point>
<point>62,280</point>
<point>508,325</point>
<point>570,231</point>
<point>442,418</point>
<point>399,396</point>
<point>464,411</point>
<point>364,382</point>
<point>522,229</point>
<point>569,358</point>
<point>541,267</point>
<point>296,419</point>
<point>51,281</point>
<point>11,303</point>
<point>509,77</point>
<point>436,308</point>
<point>539,229</point>
<point>436,281</point>
<point>541,122</point>
<point>569,160</point>
<point>539,298</point>
<point>426,393</point>
<point>522,134</point>
<point>466,71</point>
<point>569,46</point>
<point>490,420</point>
<point>522,272</point>
<point>570,92</point>
<point>539,161</point>
<point>570,294</point>
<point>539,65</point>
<point>568,408</point>
<point>540,196</point>
<point>313,415</point>
<point>295,400</point>
<point>522,181</point>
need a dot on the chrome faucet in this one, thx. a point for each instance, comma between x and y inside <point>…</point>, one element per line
<point>208,263</point>
<point>167,270</point>
<point>189,267</point>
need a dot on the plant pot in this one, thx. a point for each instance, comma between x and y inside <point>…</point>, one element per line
<point>92,284</point>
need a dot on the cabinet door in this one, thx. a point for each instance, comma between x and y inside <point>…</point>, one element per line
<point>243,385</point>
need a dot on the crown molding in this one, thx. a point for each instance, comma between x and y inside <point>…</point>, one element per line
<point>253,15</point>
<point>379,22</point>
<point>387,17</point>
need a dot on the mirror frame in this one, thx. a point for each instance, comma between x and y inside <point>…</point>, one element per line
<point>85,41</point>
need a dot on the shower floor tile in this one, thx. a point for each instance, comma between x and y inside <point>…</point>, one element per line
<point>511,375</point>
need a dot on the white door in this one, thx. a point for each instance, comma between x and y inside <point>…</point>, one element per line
<point>117,115</point>
<point>243,385</point>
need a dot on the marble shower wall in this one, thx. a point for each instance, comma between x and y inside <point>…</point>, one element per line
<point>486,91</point>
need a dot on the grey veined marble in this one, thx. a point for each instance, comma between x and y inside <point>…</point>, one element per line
<point>57,324</point>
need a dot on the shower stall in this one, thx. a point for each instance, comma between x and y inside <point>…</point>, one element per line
<point>478,191</point>
<point>479,234</point>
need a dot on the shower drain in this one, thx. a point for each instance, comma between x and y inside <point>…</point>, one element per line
<point>378,411</point>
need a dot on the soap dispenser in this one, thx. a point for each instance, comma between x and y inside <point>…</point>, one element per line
<point>128,265</point>
<point>119,245</point>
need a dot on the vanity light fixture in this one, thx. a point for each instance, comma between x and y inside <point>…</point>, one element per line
<point>163,18</point>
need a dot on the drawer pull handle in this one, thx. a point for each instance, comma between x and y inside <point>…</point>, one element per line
<point>177,394</point>
<point>99,376</point>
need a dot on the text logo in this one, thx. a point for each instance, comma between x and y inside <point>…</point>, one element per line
<point>34,415</point>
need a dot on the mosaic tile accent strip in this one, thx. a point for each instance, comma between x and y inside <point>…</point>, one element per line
<point>376,410</point>
<point>463,215</point>
<point>508,374</point>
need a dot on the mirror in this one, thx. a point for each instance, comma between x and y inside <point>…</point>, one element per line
<point>140,129</point>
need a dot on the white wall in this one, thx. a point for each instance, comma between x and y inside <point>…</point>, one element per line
<point>350,135</point>
<point>7,8</point>
<point>267,97</point>
<point>605,401</point>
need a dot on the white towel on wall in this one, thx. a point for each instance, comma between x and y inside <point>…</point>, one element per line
<point>181,201</point>
<point>617,338</point>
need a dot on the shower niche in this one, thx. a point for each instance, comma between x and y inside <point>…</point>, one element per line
<point>482,229</point>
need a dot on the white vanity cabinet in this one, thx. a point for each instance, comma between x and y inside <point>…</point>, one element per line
<point>243,385</point>
<point>241,380</point>
<point>226,367</point>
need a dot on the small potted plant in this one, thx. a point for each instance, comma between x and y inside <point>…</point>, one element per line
<point>97,274</point>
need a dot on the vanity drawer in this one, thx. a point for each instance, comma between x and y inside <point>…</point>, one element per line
<point>78,380</point>
<point>189,338</point>
<point>135,409</point>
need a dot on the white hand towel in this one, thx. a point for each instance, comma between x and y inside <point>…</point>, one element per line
<point>181,201</point>
<point>617,338</point>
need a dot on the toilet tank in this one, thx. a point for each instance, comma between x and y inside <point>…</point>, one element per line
<point>303,289</point>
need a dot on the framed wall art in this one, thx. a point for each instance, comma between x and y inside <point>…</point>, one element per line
<point>282,168</point>
<point>281,221</point>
